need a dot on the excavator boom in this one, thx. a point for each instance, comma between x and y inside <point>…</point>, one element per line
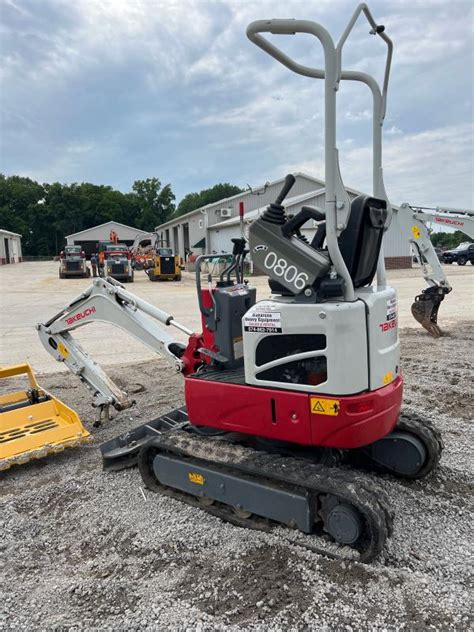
<point>413,221</point>
<point>107,300</point>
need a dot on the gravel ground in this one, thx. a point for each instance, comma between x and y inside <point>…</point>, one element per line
<point>83,549</point>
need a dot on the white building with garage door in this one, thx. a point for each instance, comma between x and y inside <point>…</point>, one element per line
<point>396,247</point>
<point>191,232</point>
<point>10,247</point>
<point>89,238</point>
<point>211,228</point>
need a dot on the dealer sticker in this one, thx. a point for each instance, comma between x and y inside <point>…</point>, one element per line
<point>391,308</point>
<point>263,322</point>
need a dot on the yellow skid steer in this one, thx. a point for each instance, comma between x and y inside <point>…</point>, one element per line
<point>33,423</point>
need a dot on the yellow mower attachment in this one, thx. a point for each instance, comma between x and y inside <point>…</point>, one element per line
<point>33,423</point>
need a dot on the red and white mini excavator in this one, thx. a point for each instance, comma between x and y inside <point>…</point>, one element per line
<point>288,398</point>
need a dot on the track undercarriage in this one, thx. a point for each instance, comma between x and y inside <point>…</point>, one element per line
<point>260,485</point>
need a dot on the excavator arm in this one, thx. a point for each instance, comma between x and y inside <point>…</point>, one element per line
<point>107,300</point>
<point>413,223</point>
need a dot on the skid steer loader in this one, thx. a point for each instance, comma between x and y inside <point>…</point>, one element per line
<point>289,398</point>
<point>34,423</point>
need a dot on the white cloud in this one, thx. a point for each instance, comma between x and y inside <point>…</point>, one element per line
<point>204,88</point>
<point>393,130</point>
<point>430,168</point>
<point>364,115</point>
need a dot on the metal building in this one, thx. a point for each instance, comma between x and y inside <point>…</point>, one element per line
<point>191,232</point>
<point>211,228</point>
<point>10,247</point>
<point>396,247</point>
<point>89,238</point>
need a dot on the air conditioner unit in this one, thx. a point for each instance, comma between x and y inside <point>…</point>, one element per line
<point>226,212</point>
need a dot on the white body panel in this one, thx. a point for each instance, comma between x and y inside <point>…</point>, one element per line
<point>342,323</point>
<point>382,330</point>
<point>362,348</point>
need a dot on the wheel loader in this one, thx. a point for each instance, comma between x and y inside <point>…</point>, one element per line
<point>289,399</point>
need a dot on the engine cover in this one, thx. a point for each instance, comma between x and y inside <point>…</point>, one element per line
<point>336,347</point>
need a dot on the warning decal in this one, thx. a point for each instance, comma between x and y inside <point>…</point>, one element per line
<point>264,322</point>
<point>388,377</point>
<point>320,406</point>
<point>416,232</point>
<point>63,350</point>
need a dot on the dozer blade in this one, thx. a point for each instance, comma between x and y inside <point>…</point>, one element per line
<point>33,423</point>
<point>425,309</point>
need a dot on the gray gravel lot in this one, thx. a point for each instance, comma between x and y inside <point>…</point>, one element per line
<point>83,549</point>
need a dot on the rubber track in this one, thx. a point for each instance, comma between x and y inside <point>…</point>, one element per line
<point>348,485</point>
<point>422,428</point>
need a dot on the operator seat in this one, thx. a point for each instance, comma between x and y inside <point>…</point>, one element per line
<point>359,243</point>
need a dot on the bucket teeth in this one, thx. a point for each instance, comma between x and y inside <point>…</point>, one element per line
<point>425,309</point>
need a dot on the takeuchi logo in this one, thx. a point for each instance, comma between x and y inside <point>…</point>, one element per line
<point>391,324</point>
<point>80,315</point>
<point>448,220</point>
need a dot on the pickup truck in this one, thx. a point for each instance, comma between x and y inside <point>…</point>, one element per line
<point>461,255</point>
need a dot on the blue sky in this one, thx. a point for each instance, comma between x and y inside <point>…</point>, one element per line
<point>109,92</point>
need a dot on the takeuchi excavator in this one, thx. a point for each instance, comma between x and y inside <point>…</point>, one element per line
<point>413,222</point>
<point>289,399</point>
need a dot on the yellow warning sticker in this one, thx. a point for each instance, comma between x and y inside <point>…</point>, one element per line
<point>62,350</point>
<point>320,406</point>
<point>194,477</point>
<point>388,377</point>
<point>416,232</point>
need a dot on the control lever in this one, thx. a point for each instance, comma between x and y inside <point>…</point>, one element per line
<point>237,254</point>
<point>296,222</point>
<point>239,245</point>
<point>288,185</point>
<point>275,212</point>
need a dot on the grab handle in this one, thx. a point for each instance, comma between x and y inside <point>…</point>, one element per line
<point>290,27</point>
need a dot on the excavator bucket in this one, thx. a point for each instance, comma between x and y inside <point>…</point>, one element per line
<point>425,309</point>
<point>33,423</point>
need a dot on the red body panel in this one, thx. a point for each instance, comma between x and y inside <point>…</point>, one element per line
<point>208,336</point>
<point>286,415</point>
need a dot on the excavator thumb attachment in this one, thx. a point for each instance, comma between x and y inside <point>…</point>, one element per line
<point>33,423</point>
<point>425,308</point>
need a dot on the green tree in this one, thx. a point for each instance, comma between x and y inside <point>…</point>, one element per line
<point>45,213</point>
<point>448,240</point>
<point>192,201</point>
<point>20,199</point>
<point>154,201</point>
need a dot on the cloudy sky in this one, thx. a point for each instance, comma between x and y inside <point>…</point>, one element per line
<point>109,92</point>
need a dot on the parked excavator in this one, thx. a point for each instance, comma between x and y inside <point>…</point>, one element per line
<point>288,398</point>
<point>143,251</point>
<point>414,224</point>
